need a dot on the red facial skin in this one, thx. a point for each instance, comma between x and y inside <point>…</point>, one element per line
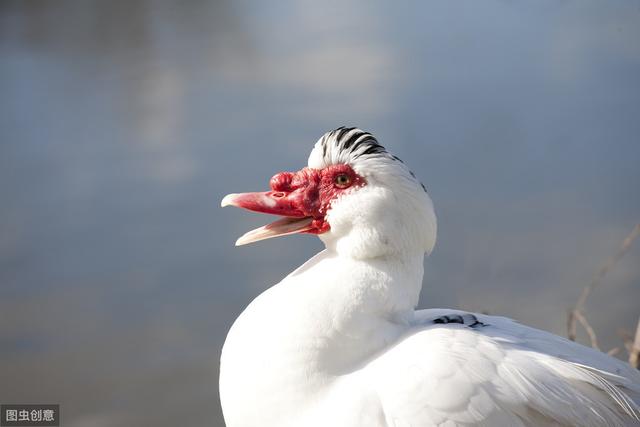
<point>305,193</point>
<point>311,191</point>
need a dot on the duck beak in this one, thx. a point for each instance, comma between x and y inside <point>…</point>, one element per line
<point>271,202</point>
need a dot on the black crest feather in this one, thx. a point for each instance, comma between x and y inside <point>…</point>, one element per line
<point>354,143</point>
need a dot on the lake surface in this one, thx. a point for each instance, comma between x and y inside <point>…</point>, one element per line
<point>123,124</point>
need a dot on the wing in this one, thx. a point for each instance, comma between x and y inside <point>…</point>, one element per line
<point>491,371</point>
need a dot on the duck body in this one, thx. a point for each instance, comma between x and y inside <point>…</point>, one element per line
<point>323,352</point>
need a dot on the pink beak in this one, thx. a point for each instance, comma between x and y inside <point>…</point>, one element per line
<point>271,202</point>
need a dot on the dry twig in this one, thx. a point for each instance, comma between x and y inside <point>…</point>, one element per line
<point>634,353</point>
<point>587,327</point>
<point>577,313</point>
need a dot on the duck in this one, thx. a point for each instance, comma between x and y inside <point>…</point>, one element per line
<point>339,342</point>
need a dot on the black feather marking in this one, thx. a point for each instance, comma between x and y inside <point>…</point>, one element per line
<point>341,131</point>
<point>398,159</point>
<point>352,139</point>
<point>358,143</point>
<point>467,319</point>
<point>372,147</point>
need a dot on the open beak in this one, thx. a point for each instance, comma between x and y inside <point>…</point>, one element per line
<point>270,202</point>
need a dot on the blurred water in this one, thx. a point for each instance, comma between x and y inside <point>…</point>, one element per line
<point>124,123</point>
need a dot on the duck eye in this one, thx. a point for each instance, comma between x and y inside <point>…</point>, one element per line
<point>342,180</point>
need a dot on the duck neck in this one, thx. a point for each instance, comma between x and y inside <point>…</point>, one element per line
<point>355,307</point>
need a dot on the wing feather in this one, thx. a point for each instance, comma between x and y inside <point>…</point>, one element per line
<point>500,374</point>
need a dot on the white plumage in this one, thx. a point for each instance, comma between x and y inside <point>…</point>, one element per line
<point>338,343</point>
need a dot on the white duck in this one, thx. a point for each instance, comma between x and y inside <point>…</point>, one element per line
<point>338,342</point>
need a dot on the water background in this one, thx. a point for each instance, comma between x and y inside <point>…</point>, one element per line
<point>123,124</point>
